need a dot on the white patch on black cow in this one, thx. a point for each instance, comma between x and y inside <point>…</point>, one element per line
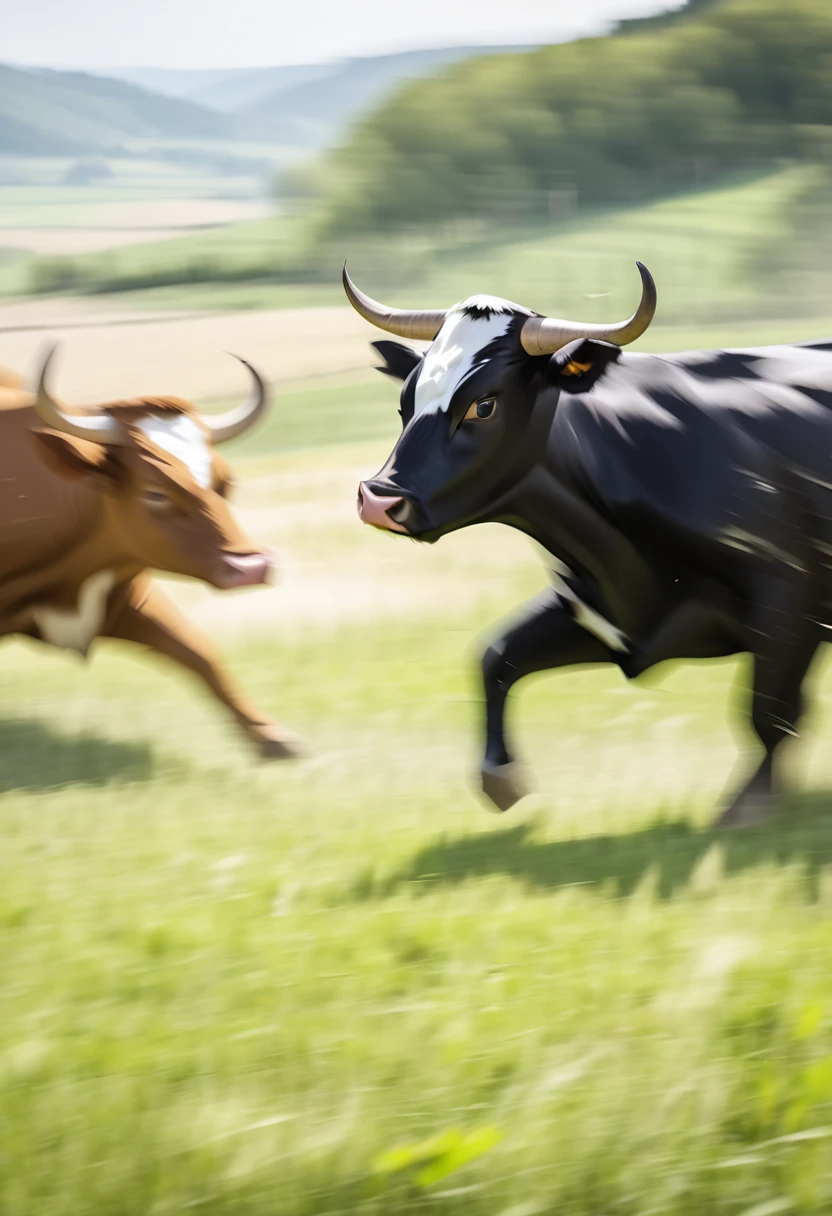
<point>76,628</point>
<point>180,436</point>
<point>590,620</point>
<point>457,349</point>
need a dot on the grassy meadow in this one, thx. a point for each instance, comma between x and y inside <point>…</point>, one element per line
<point>749,248</point>
<point>341,986</point>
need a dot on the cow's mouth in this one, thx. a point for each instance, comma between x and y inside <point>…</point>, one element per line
<point>243,570</point>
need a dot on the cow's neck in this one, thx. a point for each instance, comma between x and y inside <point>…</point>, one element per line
<point>574,532</point>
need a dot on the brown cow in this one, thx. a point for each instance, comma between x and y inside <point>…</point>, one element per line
<point>90,502</point>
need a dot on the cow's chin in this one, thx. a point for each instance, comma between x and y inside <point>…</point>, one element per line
<point>242,570</point>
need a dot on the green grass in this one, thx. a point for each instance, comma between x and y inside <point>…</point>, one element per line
<point>238,989</point>
<point>340,986</point>
<point>334,410</point>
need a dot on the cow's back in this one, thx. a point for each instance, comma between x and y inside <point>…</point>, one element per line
<point>686,447</point>
<point>782,397</point>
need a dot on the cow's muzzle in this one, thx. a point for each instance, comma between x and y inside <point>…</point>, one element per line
<point>243,570</point>
<point>375,509</point>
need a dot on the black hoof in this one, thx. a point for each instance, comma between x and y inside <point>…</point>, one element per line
<point>505,784</point>
<point>751,807</point>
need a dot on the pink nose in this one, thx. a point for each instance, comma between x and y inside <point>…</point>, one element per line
<point>243,570</point>
<point>373,509</point>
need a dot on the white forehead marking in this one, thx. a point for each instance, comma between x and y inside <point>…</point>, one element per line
<point>456,349</point>
<point>181,437</point>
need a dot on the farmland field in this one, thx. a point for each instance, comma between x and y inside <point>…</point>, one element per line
<point>134,202</point>
<point>751,249</point>
<point>341,986</point>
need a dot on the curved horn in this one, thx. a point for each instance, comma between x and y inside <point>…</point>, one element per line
<point>419,326</point>
<point>545,335</point>
<point>96,428</point>
<point>235,422</point>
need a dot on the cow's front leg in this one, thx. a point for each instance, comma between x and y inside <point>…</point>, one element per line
<point>783,641</point>
<point>547,636</point>
<point>150,619</point>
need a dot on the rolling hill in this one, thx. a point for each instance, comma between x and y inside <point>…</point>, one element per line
<point>224,89</point>
<point>312,112</point>
<point>51,113</point>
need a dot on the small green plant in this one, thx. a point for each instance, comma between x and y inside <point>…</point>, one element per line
<point>427,1162</point>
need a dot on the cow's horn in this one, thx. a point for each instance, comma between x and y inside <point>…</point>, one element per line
<point>545,335</point>
<point>419,326</point>
<point>235,422</point>
<point>96,428</point>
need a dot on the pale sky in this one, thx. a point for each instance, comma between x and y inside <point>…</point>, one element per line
<point>247,33</point>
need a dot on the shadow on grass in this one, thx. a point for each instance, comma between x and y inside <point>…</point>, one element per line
<point>33,756</point>
<point>801,833</point>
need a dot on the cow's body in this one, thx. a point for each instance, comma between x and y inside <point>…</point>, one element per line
<point>76,549</point>
<point>687,500</point>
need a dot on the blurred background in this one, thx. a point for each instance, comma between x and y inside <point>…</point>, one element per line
<point>339,986</point>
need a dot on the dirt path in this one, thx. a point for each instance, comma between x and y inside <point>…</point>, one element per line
<point>108,352</point>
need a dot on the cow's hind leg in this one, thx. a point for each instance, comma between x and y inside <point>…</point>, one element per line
<point>783,644</point>
<point>150,619</point>
<point>546,637</point>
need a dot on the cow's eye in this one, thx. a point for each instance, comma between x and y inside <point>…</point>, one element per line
<point>154,497</point>
<point>479,410</point>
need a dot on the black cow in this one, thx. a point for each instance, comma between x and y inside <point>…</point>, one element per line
<point>688,496</point>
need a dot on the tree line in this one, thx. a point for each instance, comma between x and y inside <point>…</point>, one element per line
<point>729,85</point>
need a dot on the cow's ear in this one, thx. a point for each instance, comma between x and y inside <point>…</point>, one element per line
<point>580,364</point>
<point>75,457</point>
<point>399,360</point>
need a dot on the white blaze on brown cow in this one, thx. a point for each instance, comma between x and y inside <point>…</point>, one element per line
<point>181,437</point>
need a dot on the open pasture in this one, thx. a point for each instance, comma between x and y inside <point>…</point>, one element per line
<point>342,986</point>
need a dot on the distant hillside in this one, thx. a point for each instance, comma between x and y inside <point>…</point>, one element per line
<point>301,105</point>
<point>314,112</point>
<point>170,82</point>
<point>48,113</point>
<point>225,89</point>
<point>22,139</point>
